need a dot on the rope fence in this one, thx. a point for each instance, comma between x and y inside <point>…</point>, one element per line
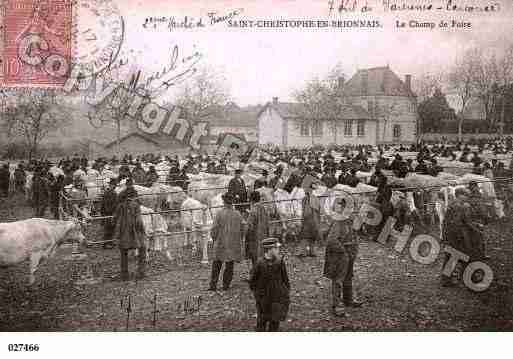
<point>183,235</point>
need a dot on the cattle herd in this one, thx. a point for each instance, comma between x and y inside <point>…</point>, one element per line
<point>181,196</point>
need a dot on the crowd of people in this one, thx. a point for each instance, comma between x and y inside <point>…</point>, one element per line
<point>244,219</point>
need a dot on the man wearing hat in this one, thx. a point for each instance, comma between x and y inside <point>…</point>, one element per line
<point>310,224</point>
<point>227,233</point>
<point>341,250</point>
<point>129,230</point>
<point>237,189</point>
<point>270,285</point>
<point>455,229</point>
<point>109,204</point>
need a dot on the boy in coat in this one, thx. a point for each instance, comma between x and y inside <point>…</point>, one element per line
<point>270,285</point>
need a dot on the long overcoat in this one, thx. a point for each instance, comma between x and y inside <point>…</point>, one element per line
<point>310,225</point>
<point>258,229</point>
<point>270,285</point>
<point>129,225</point>
<point>227,233</point>
<point>341,249</point>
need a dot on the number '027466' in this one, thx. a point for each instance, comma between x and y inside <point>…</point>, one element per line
<point>23,347</point>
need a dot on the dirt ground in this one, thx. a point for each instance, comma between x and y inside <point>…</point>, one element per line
<point>398,294</point>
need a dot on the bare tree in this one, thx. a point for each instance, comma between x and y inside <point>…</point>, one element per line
<point>501,68</point>
<point>314,100</point>
<point>321,99</point>
<point>484,80</point>
<point>461,82</point>
<point>33,114</point>
<point>427,83</point>
<point>387,111</point>
<point>204,95</point>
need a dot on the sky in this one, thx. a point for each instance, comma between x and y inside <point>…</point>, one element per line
<point>259,64</point>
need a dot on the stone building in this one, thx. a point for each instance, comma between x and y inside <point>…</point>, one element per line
<point>378,108</point>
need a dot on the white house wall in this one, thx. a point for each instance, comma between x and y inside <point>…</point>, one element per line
<point>270,128</point>
<point>405,116</point>
<point>295,139</point>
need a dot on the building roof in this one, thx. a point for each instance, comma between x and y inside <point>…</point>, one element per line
<point>234,116</point>
<point>133,134</point>
<point>296,110</point>
<point>377,81</point>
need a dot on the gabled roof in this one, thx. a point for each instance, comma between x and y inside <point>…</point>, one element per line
<point>234,116</point>
<point>296,110</point>
<point>133,134</point>
<point>376,81</point>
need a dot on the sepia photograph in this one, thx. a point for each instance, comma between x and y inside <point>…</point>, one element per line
<point>255,166</point>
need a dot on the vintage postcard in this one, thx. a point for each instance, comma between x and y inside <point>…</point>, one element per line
<point>273,165</point>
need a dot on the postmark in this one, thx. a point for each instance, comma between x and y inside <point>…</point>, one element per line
<point>98,33</point>
<point>37,44</point>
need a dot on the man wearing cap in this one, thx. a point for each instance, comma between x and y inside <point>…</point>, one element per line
<point>341,251</point>
<point>227,232</point>
<point>237,190</point>
<point>270,285</point>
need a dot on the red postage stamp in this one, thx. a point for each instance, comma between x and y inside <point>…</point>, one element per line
<point>37,42</point>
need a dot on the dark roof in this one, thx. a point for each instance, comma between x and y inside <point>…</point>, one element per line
<point>133,134</point>
<point>376,81</point>
<point>296,110</point>
<point>235,116</point>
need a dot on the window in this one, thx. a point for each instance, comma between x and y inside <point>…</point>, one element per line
<point>397,131</point>
<point>348,128</point>
<point>304,129</point>
<point>317,128</point>
<point>360,129</point>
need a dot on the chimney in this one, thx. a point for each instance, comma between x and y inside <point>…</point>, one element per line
<point>407,81</point>
<point>365,82</point>
<point>341,81</point>
<point>275,100</point>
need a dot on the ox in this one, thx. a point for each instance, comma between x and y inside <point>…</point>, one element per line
<point>36,239</point>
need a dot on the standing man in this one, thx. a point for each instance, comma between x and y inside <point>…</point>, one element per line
<point>310,224</point>
<point>257,228</point>
<point>41,192</point>
<point>455,229</point>
<point>237,190</point>
<point>56,187</point>
<point>130,232</point>
<point>4,180</point>
<point>109,204</point>
<point>227,233</point>
<point>20,178</point>
<point>341,251</point>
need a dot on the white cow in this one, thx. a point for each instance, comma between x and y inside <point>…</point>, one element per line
<point>35,239</point>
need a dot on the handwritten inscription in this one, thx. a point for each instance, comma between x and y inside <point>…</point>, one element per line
<point>215,18</point>
<point>349,6</point>
<point>188,22</point>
